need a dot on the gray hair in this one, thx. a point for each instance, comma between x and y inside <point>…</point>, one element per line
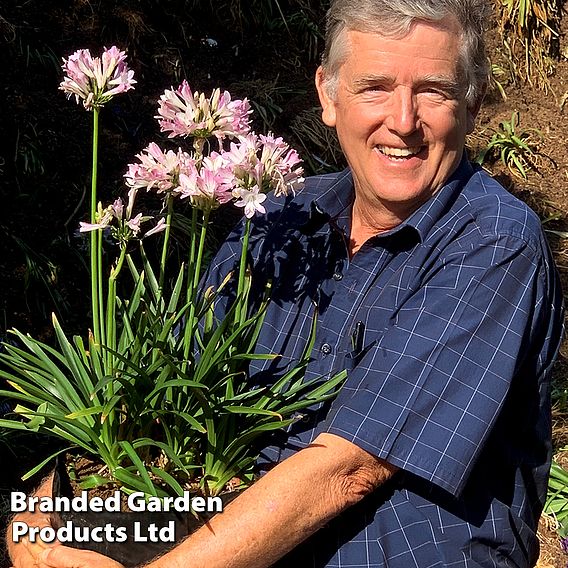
<point>395,18</point>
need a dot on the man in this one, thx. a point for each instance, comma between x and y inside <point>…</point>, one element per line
<point>436,290</point>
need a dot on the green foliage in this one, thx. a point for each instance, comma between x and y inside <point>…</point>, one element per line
<point>557,498</point>
<point>42,55</point>
<point>496,80</point>
<point>298,17</point>
<point>39,273</point>
<point>516,150</point>
<point>303,27</point>
<point>241,14</point>
<point>28,151</point>
<point>530,32</point>
<point>322,151</point>
<point>157,420</point>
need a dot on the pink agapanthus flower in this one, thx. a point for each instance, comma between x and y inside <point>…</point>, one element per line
<point>281,165</point>
<point>250,199</point>
<point>266,162</point>
<point>96,80</point>
<point>103,218</point>
<point>209,186</point>
<point>119,219</point>
<point>186,113</point>
<point>159,170</point>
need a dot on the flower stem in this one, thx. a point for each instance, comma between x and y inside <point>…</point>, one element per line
<point>197,270</point>
<point>111,333</point>
<point>100,288</point>
<point>95,234</point>
<point>111,309</point>
<point>193,277</point>
<point>170,208</point>
<point>192,252</point>
<point>241,308</point>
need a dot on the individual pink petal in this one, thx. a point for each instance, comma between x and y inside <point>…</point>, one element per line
<point>159,227</point>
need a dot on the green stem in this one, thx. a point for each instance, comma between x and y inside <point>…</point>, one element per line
<point>94,234</point>
<point>111,331</point>
<point>111,308</point>
<point>241,308</point>
<point>100,289</point>
<point>170,208</point>
<point>195,265</point>
<point>191,264</point>
<point>197,270</point>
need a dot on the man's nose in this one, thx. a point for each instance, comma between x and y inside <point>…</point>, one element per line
<point>403,112</point>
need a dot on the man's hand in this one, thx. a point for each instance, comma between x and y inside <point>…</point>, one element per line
<point>60,556</point>
<point>25,554</point>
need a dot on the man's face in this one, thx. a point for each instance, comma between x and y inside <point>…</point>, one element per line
<point>400,115</point>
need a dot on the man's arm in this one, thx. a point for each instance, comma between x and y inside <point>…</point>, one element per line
<point>283,508</point>
<point>24,554</point>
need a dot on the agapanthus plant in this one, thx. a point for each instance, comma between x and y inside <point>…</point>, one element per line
<point>158,386</point>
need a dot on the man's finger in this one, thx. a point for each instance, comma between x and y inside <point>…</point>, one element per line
<point>35,548</point>
<point>65,557</point>
<point>26,555</point>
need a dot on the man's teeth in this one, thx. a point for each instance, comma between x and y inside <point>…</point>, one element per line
<point>398,152</point>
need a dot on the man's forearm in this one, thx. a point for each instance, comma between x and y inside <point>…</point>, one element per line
<point>283,508</point>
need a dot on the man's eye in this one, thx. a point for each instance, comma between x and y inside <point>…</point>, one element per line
<point>375,89</point>
<point>435,93</point>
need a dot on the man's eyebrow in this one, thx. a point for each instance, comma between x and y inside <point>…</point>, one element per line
<point>443,82</point>
<point>372,79</point>
<point>448,84</point>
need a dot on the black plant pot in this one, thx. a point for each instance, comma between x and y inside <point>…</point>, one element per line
<point>131,538</point>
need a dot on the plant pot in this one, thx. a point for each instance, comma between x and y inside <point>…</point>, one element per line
<point>131,538</point>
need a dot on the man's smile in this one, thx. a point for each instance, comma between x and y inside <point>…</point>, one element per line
<point>399,153</point>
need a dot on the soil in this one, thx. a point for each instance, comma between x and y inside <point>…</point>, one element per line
<point>45,154</point>
<point>129,553</point>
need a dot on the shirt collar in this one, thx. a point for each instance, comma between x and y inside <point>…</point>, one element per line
<point>336,201</point>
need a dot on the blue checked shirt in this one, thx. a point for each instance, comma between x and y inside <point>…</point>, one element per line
<point>448,326</point>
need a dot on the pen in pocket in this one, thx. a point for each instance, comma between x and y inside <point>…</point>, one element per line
<point>358,337</point>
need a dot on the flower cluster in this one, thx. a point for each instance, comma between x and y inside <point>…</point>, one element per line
<point>186,113</point>
<point>96,80</point>
<point>158,170</point>
<point>127,226</point>
<point>243,169</point>
<point>251,166</point>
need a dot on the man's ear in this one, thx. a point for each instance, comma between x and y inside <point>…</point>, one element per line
<point>328,114</point>
<point>473,110</point>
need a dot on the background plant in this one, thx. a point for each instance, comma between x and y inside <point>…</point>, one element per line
<point>556,505</point>
<point>322,150</point>
<point>530,30</point>
<point>516,150</point>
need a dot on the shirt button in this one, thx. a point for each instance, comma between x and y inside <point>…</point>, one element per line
<point>325,348</point>
<point>338,276</point>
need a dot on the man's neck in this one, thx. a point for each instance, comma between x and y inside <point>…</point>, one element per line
<point>368,221</point>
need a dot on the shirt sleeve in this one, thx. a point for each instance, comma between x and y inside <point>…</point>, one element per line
<point>428,389</point>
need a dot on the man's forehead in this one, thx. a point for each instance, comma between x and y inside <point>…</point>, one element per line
<point>442,36</point>
<point>433,49</point>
